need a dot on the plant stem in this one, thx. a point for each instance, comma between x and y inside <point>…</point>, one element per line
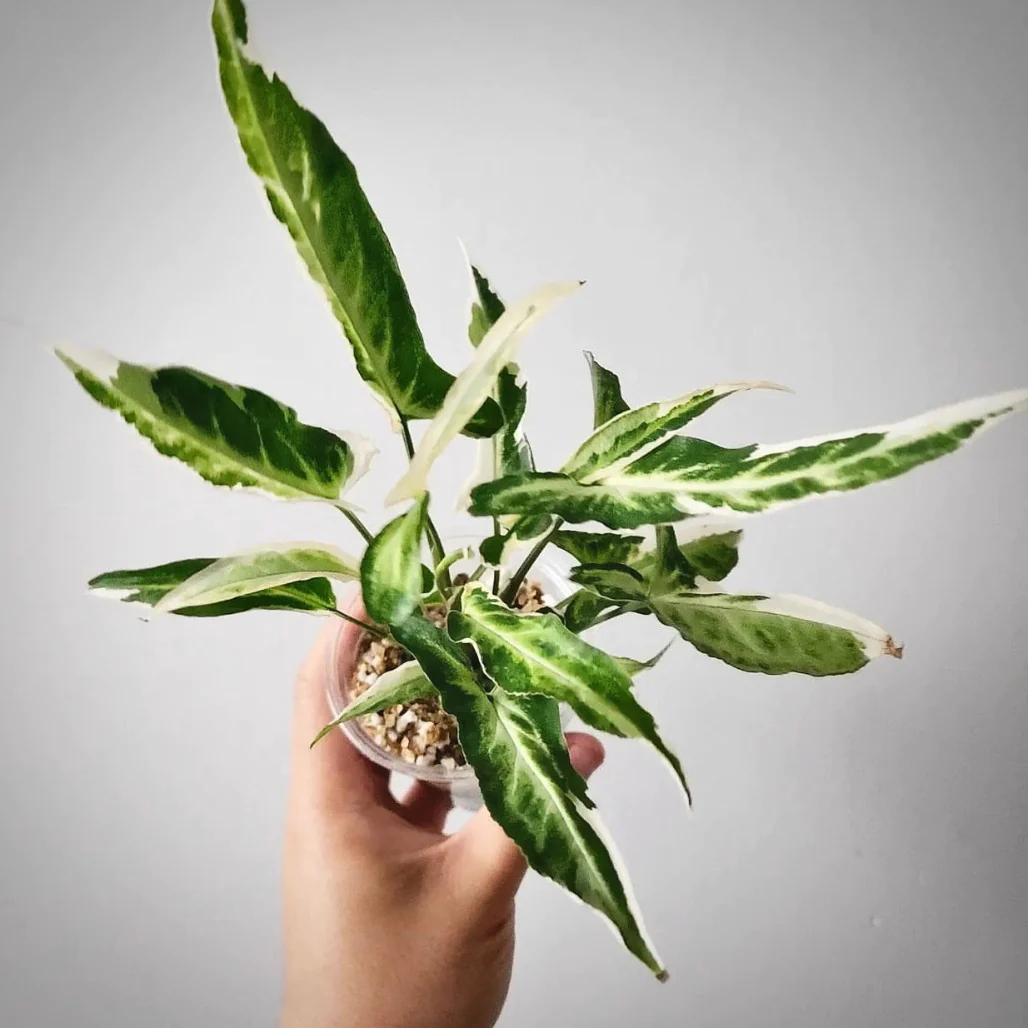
<point>435,543</point>
<point>408,442</point>
<point>436,546</point>
<point>496,571</point>
<point>510,592</point>
<point>373,629</point>
<point>356,522</point>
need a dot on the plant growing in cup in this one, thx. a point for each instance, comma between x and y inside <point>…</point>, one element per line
<point>491,655</point>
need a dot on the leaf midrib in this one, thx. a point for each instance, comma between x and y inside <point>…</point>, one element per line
<point>560,808</point>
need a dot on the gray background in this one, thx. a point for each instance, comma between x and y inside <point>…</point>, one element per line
<point>828,194</point>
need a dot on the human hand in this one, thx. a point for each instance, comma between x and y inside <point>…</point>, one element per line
<point>388,922</point>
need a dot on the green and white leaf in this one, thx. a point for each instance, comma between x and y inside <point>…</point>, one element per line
<point>391,569</point>
<point>683,477</point>
<point>599,547</point>
<point>775,635</point>
<point>582,608</point>
<point>607,399</point>
<point>399,686</point>
<point>616,583</point>
<point>516,746</point>
<point>257,571</point>
<point>629,434</point>
<point>148,586</point>
<point>314,191</point>
<point>535,654</point>
<point>475,383</point>
<point>230,435</point>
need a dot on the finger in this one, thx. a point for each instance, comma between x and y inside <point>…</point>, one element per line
<point>426,806</point>
<point>494,858</point>
<point>332,775</point>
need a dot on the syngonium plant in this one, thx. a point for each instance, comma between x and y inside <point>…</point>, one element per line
<point>502,674</point>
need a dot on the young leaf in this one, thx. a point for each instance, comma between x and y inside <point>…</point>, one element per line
<point>391,569</point>
<point>582,608</point>
<point>628,435</point>
<point>257,571</point>
<point>534,654</point>
<point>516,746</point>
<point>599,547</point>
<point>486,307</point>
<point>475,383</point>
<point>508,451</point>
<point>683,476</point>
<point>607,399</point>
<point>313,190</point>
<point>774,634</point>
<point>149,586</point>
<point>400,685</point>
<point>228,434</point>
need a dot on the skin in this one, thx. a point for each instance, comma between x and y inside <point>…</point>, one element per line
<point>388,921</point>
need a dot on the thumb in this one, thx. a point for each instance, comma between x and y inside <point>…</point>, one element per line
<point>493,857</point>
<point>331,776</point>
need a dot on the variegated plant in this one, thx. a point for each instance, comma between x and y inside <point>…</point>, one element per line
<point>500,673</point>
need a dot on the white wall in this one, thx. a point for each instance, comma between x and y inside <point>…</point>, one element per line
<point>830,194</point>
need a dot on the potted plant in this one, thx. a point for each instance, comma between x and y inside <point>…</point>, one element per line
<point>491,659</point>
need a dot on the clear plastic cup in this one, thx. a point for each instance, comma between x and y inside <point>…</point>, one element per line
<point>460,782</point>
